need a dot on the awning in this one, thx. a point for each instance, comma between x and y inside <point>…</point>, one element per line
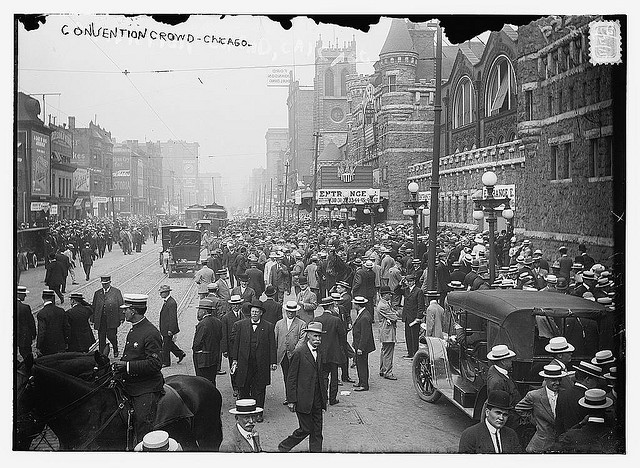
<point>78,202</point>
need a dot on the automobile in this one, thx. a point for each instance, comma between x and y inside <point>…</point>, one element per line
<point>184,250</point>
<point>32,242</point>
<point>165,238</point>
<point>455,366</point>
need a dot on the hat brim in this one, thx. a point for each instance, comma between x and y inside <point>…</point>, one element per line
<point>256,411</point>
<point>24,292</point>
<point>313,331</point>
<point>174,446</point>
<point>569,349</point>
<point>492,358</point>
<point>547,376</point>
<point>608,402</point>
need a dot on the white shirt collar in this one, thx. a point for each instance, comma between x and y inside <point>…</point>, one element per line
<point>106,290</point>
<point>501,370</point>
<point>139,321</point>
<point>493,431</point>
<point>247,435</point>
<point>165,298</point>
<point>289,321</point>
<point>313,351</point>
<point>595,419</point>
<point>47,302</point>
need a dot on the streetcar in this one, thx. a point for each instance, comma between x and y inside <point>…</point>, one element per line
<point>193,214</point>
<point>218,216</point>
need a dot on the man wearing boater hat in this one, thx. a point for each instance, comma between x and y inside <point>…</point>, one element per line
<point>499,378</point>
<point>228,322</point>
<point>562,352</point>
<point>305,394</point>
<point>80,336</point>
<point>540,404</point>
<point>243,438</point>
<point>289,332</point>
<point>107,315</point>
<point>491,435</point>
<point>363,342</point>
<point>141,363</point>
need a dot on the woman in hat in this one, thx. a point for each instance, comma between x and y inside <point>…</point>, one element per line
<point>80,333</point>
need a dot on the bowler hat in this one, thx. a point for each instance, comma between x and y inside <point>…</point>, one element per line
<point>243,277</point>
<point>246,406</point>
<point>76,296</point>
<point>303,280</point>
<point>385,290</point>
<point>257,304</point>
<point>499,399</point>
<point>562,283</point>
<point>270,291</point>
<point>315,327</point>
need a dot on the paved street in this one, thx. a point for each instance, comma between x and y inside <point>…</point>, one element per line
<point>388,418</point>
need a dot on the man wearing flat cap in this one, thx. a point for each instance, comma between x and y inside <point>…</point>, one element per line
<point>169,327</point>
<point>253,354</point>
<point>141,363</point>
<point>206,342</point>
<point>107,315</point>
<point>491,435</point>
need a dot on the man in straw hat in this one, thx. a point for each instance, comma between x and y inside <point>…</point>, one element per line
<point>363,342</point>
<point>562,352</point>
<point>26,323</point>
<point>243,437</point>
<point>491,435</point>
<point>80,336</point>
<point>228,323</point>
<point>540,405</point>
<point>290,334</point>
<point>596,434</point>
<point>499,378</point>
<point>305,392</point>
<point>158,441</point>
<point>253,355</point>
<point>206,342</point>
<point>169,327</point>
<point>568,411</point>
<point>141,363</point>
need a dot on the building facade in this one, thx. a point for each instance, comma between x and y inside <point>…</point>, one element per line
<point>277,141</point>
<point>301,141</point>
<point>62,190</point>
<point>180,172</point>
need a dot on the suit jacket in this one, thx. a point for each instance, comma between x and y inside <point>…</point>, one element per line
<point>203,277</point>
<point>590,437</point>
<point>364,283</point>
<point>477,439</point>
<point>63,260</point>
<point>279,277</point>
<point>233,442</point>
<point>336,334</point>
<point>55,274</point>
<point>498,381</point>
<point>287,340</point>
<point>265,351</point>
<point>80,337</point>
<point>53,329</point>
<point>272,311</point>
<point>536,403</point>
<point>435,319</point>
<point>26,325</point>
<point>206,341</point>
<point>223,289</point>
<point>363,333</point>
<point>301,380</point>
<point>414,306</point>
<point>228,321</point>
<point>169,317</point>
<point>388,323</point>
<point>247,296</point>
<point>256,281</point>
<point>308,304</point>
<point>142,353</point>
<point>107,308</point>
<point>443,278</point>
<point>568,411</point>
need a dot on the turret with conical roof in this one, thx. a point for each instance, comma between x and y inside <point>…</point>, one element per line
<point>398,52</point>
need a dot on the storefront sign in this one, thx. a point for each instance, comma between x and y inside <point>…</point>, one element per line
<point>95,200</point>
<point>81,180</point>
<point>347,196</point>
<point>298,197</point>
<point>40,206</point>
<point>40,164</point>
<point>503,191</point>
<point>53,210</point>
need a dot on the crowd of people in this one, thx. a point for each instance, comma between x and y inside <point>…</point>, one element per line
<point>343,282</point>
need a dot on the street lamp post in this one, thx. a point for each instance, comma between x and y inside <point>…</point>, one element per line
<point>412,211</point>
<point>286,178</point>
<point>487,207</point>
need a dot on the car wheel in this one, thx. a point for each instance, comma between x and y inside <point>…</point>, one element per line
<point>422,377</point>
<point>34,260</point>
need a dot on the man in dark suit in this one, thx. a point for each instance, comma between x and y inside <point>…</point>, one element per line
<point>228,322</point>
<point>305,395</point>
<point>443,277</point>
<point>26,324</point>
<point>87,256</point>
<point>498,378</point>
<point>141,364</point>
<point>492,435</point>
<point>568,410</point>
<point>412,314</point>
<point>253,355</point>
<point>80,336</point>
<point>224,286</point>
<point>255,276</point>
<point>565,264</point>
<point>272,309</point>
<point>206,342</point>
<point>331,348</point>
<point>363,343</point>
<point>243,438</point>
<point>364,284</point>
<point>55,276</point>
<point>169,327</point>
<point>53,327</point>
<point>243,290</point>
<point>63,260</point>
<point>107,314</point>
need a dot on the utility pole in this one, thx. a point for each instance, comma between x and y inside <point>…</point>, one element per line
<point>213,189</point>
<point>316,135</point>
<point>270,197</point>
<point>286,177</point>
<point>435,166</point>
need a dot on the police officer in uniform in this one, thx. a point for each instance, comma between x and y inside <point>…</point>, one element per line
<point>141,363</point>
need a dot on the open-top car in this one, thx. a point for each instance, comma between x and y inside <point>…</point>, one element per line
<point>456,365</point>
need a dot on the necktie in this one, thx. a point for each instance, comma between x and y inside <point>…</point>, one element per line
<point>498,442</point>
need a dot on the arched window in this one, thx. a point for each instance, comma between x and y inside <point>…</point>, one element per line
<point>501,87</point>
<point>463,104</point>
<point>343,82</point>
<point>328,83</point>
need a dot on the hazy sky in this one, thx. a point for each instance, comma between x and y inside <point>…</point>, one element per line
<point>215,94</point>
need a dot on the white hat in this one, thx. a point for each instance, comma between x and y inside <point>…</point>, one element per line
<point>499,352</point>
<point>246,406</point>
<point>559,344</point>
<point>552,371</point>
<point>158,441</point>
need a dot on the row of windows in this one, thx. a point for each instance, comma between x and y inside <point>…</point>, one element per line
<point>64,189</point>
<point>600,159</point>
<point>500,93</point>
<point>563,58</point>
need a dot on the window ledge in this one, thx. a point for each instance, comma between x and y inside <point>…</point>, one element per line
<point>561,181</point>
<point>600,179</point>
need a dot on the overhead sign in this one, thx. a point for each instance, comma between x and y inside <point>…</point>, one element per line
<point>298,197</point>
<point>279,78</point>
<point>40,164</point>
<point>40,206</point>
<point>81,180</point>
<point>503,191</point>
<point>424,196</point>
<point>347,196</point>
<point>95,200</point>
<point>122,173</point>
<point>53,210</point>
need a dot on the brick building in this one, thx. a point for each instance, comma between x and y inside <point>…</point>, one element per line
<point>277,141</point>
<point>62,190</point>
<point>180,172</point>
<point>300,132</point>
